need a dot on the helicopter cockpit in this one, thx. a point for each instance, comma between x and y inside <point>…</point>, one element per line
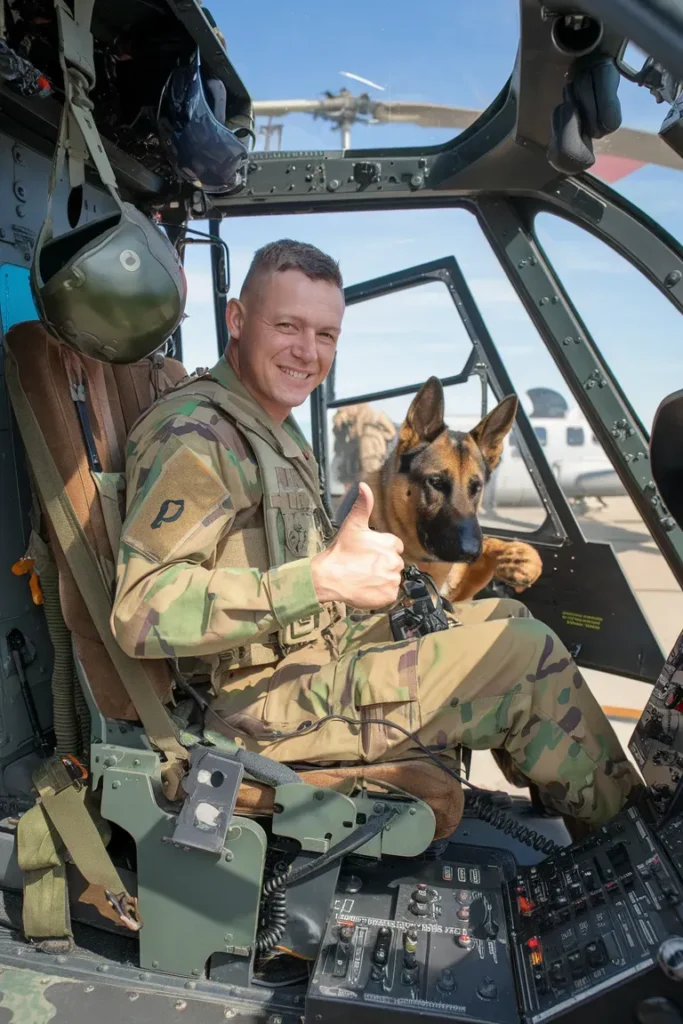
<point>147,861</point>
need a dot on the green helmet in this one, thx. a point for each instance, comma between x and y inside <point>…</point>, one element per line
<point>113,289</point>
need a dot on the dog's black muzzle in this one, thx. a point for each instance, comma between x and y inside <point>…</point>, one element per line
<point>449,541</point>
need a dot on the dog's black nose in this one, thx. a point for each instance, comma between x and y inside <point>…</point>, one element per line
<point>469,538</point>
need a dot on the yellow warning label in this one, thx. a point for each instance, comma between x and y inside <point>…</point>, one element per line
<point>584,621</point>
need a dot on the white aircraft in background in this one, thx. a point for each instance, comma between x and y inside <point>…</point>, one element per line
<point>577,459</point>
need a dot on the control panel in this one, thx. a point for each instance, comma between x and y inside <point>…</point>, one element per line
<point>433,943</point>
<point>657,740</point>
<point>595,916</point>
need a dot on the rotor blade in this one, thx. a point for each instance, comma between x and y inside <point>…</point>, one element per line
<point>428,115</point>
<point>613,168</point>
<point>629,143</point>
<point>364,81</point>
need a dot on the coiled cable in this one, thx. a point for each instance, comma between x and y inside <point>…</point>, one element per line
<point>274,914</point>
<point>482,806</point>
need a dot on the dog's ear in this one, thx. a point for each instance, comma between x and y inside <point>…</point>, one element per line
<point>424,419</point>
<point>491,432</point>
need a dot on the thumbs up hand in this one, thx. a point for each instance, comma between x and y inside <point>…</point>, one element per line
<point>361,567</point>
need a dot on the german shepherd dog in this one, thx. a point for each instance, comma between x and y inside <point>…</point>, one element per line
<point>428,493</point>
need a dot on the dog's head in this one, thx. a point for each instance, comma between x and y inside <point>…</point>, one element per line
<point>440,474</point>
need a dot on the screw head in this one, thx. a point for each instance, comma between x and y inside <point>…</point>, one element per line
<point>333,185</point>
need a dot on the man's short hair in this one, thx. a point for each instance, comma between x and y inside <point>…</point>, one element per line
<point>287,254</point>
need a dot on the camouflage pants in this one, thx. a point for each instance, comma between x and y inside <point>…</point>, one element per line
<point>501,681</point>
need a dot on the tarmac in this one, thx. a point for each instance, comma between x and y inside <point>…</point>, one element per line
<point>657,590</point>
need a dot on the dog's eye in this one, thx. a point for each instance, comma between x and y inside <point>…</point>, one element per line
<point>438,482</point>
<point>475,488</point>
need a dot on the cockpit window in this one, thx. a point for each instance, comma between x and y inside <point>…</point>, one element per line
<point>575,437</point>
<point>329,61</point>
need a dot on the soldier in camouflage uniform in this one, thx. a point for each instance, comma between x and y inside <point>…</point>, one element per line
<point>361,438</point>
<point>227,557</point>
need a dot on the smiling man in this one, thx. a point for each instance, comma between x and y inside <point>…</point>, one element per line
<point>230,566</point>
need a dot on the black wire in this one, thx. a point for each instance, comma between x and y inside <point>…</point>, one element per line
<point>482,806</point>
<point>349,844</point>
<point>275,916</point>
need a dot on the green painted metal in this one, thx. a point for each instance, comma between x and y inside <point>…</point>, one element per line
<point>192,904</point>
<point>407,835</point>
<point>317,818</point>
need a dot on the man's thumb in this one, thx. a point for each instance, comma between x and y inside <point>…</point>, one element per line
<point>360,513</point>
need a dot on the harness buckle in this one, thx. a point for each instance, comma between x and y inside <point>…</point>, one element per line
<point>126,907</point>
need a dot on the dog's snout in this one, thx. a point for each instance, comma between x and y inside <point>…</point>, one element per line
<point>469,538</point>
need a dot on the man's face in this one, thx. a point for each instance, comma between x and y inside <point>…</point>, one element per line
<point>283,337</point>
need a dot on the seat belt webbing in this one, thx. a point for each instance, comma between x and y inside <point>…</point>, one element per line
<point>40,855</point>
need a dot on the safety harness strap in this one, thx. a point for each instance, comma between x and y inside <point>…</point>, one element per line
<point>40,855</point>
<point>65,804</point>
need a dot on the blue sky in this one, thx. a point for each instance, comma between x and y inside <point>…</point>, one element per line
<point>459,53</point>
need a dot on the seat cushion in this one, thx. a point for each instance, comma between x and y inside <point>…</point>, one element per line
<point>421,778</point>
<point>115,396</point>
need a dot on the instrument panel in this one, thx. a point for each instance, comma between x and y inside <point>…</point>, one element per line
<point>457,942</point>
<point>657,741</point>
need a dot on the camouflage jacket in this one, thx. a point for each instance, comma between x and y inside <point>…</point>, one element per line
<point>184,588</point>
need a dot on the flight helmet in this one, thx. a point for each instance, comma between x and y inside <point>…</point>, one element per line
<point>113,289</point>
<point>198,145</point>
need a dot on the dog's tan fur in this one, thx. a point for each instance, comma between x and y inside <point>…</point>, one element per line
<point>409,505</point>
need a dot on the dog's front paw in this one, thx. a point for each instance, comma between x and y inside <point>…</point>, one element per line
<point>519,565</point>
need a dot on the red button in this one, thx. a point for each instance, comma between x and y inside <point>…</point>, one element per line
<point>533,944</point>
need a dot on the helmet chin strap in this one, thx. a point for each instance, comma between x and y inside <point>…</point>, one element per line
<point>78,135</point>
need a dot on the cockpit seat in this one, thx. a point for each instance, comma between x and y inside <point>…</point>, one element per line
<point>84,409</point>
<point>417,776</point>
